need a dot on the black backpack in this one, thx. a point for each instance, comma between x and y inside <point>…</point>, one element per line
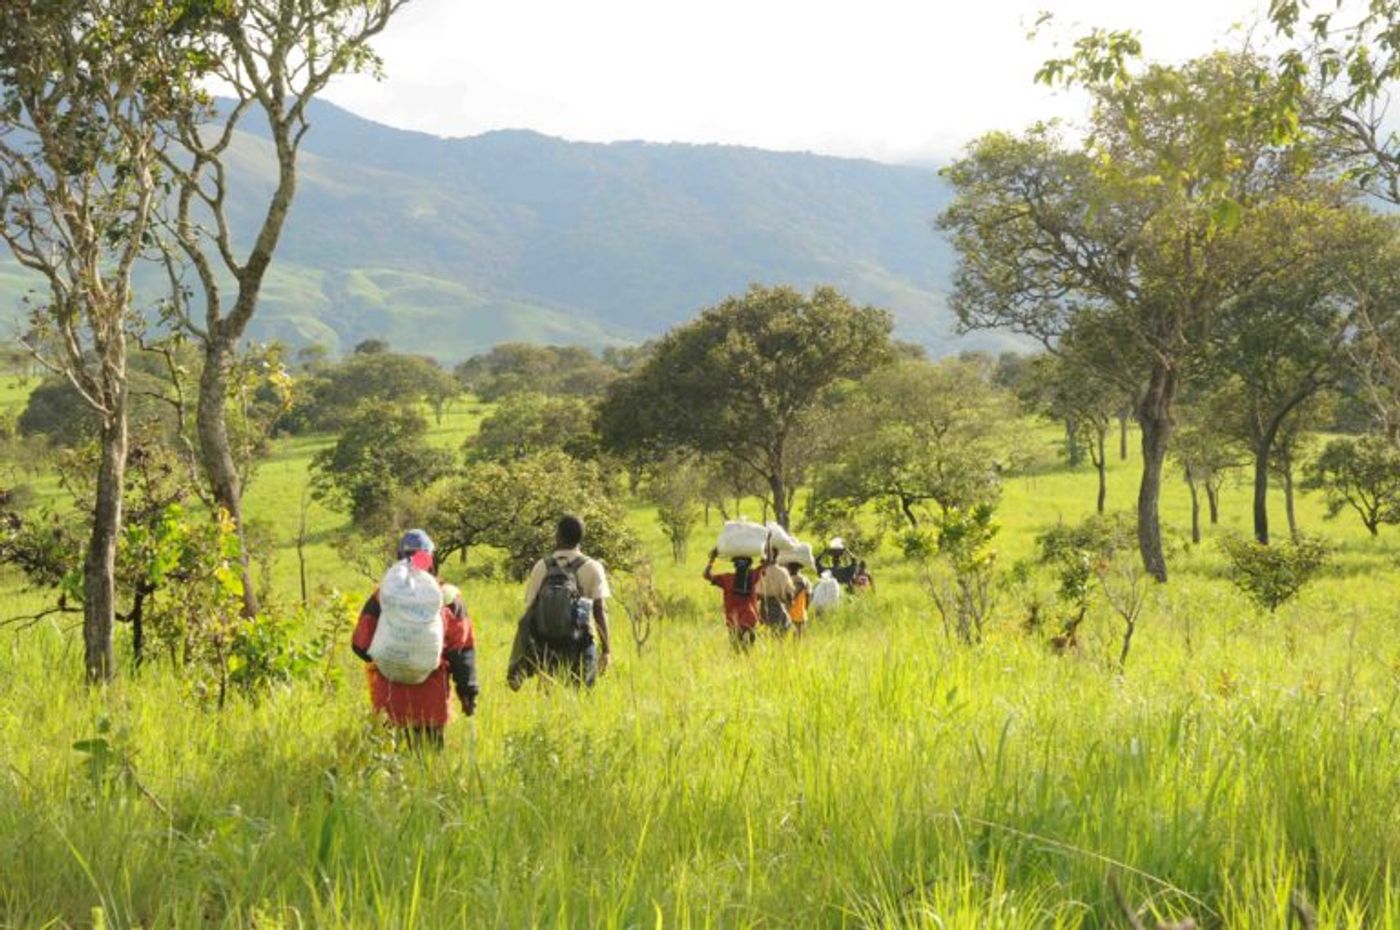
<point>556,615</point>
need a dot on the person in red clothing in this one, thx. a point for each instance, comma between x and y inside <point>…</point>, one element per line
<point>421,711</point>
<point>741,597</point>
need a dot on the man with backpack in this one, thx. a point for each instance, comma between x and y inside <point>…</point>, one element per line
<point>565,610</point>
<point>414,633</point>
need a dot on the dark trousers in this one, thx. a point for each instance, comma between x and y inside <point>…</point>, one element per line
<point>417,738</point>
<point>575,663</point>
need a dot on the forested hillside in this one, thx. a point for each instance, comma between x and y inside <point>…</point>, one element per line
<point>450,246</point>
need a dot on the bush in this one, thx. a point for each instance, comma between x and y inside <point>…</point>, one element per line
<point>1272,575</point>
<point>960,568</point>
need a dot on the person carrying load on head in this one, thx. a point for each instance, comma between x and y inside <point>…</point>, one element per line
<point>740,587</point>
<point>417,640</point>
<point>775,590</point>
<point>565,611</point>
<point>838,560</point>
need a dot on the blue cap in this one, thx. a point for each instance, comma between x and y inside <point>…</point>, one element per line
<point>415,541</point>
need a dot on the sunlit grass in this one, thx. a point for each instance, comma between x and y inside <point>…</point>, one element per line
<point>874,774</point>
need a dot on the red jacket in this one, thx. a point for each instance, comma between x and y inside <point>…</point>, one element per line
<point>740,610</point>
<point>428,703</point>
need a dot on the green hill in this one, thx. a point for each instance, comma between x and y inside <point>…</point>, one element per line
<point>451,245</point>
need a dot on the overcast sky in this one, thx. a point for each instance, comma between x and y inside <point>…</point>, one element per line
<point>896,80</point>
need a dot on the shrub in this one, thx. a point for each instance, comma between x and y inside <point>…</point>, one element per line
<point>1272,575</point>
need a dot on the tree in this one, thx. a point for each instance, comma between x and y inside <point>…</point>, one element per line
<point>516,367</point>
<point>175,588</point>
<point>1336,83</point>
<point>82,86</point>
<point>1066,387</point>
<point>919,433</point>
<point>275,57</point>
<point>331,398</point>
<point>1363,474</point>
<point>674,485</point>
<point>1206,451</point>
<point>1292,447</point>
<point>746,380</point>
<point>526,424</point>
<point>383,451</point>
<point>516,507</point>
<point>1284,339</point>
<point>1128,234</point>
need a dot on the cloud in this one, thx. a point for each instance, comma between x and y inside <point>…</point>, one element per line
<point>889,79</point>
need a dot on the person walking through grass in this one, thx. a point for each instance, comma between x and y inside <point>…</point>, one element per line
<point>417,641</point>
<point>564,630</point>
<point>741,597</point>
<point>800,598</point>
<point>775,590</point>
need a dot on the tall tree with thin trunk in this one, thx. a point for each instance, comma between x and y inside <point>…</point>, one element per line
<point>82,84</point>
<point>1128,233</point>
<point>1285,339</point>
<point>1067,386</point>
<point>274,57</point>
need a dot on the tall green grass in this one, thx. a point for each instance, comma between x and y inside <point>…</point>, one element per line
<point>874,774</point>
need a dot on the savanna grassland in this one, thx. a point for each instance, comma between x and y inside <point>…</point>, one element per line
<point>874,774</point>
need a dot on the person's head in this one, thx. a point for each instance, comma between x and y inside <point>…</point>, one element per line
<point>861,566</point>
<point>743,575</point>
<point>837,545</point>
<point>569,533</point>
<point>794,568</point>
<point>417,546</point>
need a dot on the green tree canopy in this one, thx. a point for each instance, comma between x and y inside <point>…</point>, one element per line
<point>920,433</point>
<point>1363,474</point>
<point>746,380</point>
<point>520,367</point>
<point>516,507</point>
<point>382,451</point>
<point>1128,233</point>
<point>526,424</point>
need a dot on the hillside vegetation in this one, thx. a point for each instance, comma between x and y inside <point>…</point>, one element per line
<point>451,246</point>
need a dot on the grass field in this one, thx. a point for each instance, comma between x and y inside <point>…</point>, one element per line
<point>872,775</point>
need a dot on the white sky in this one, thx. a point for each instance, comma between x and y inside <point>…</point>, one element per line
<point>895,80</point>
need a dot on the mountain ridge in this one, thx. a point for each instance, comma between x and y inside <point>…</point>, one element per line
<point>449,245</point>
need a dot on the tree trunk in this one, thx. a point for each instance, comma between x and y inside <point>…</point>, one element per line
<point>1213,499</point>
<point>1155,418</point>
<point>1072,450</point>
<point>1195,510</point>
<point>1123,436</point>
<point>216,453</point>
<point>100,565</point>
<point>1261,491</point>
<point>907,506</point>
<point>1102,466</point>
<point>780,498</point>
<point>1288,499</point>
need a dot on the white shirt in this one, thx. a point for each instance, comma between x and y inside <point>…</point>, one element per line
<point>592,578</point>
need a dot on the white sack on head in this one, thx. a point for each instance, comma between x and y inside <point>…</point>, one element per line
<point>742,539</point>
<point>801,554</point>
